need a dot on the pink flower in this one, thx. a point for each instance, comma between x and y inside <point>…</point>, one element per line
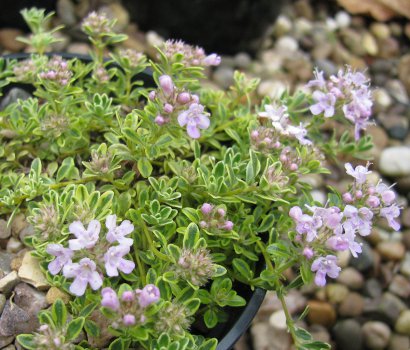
<point>63,257</point>
<point>128,320</point>
<point>391,213</point>
<point>359,220</point>
<point>325,103</point>
<point>194,118</point>
<point>212,60</point>
<point>359,173</point>
<point>110,299</point>
<point>206,208</point>
<point>305,224</point>
<point>118,233</point>
<point>86,239</point>
<point>83,273</point>
<point>325,266</point>
<point>148,295</point>
<point>167,85</point>
<point>387,195</point>
<point>114,260</point>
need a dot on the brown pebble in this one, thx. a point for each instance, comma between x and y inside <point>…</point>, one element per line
<point>322,313</point>
<point>8,39</point>
<point>391,250</point>
<point>352,305</point>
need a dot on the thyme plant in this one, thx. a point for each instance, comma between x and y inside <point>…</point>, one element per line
<point>155,198</point>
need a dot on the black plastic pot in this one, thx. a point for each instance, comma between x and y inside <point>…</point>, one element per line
<point>239,319</point>
<point>222,26</point>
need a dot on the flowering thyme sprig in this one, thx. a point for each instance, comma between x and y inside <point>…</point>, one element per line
<point>87,256</point>
<point>130,307</point>
<point>347,91</point>
<point>336,228</point>
<point>214,218</point>
<point>174,103</point>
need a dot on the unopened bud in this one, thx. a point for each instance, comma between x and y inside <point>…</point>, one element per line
<point>128,320</point>
<point>168,108</point>
<point>159,120</point>
<point>152,95</point>
<point>294,167</point>
<point>183,98</point>
<point>228,225</point>
<point>206,208</point>
<point>347,197</point>
<point>167,86</point>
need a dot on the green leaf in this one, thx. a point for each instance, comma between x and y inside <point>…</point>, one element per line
<point>117,344</point>
<point>266,223</point>
<point>86,311</point>
<point>92,328</point>
<point>209,344</point>
<point>191,236</point>
<point>210,318</point>
<point>144,167</point>
<point>27,341</point>
<point>67,170</point>
<point>74,328</point>
<point>242,267</point>
<point>193,305</point>
<point>59,313</point>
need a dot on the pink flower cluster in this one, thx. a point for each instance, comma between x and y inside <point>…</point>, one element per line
<point>96,24</point>
<point>57,71</point>
<point>337,228</point>
<point>279,118</point>
<point>92,255</point>
<point>191,56</point>
<point>186,106</point>
<point>130,307</point>
<point>214,217</point>
<point>348,89</point>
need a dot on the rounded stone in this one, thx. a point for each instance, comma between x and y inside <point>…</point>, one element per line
<point>391,250</point>
<point>5,231</point>
<point>348,335</point>
<point>278,320</point>
<point>322,313</point>
<point>399,342</point>
<point>54,293</point>
<point>336,292</point>
<point>352,305</point>
<point>402,325</point>
<point>351,278</point>
<point>395,161</point>
<point>376,335</point>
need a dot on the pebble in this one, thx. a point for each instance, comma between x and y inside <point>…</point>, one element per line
<point>302,26</point>
<point>9,347</point>
<point>370,44</point>
<point>352,305</point>
<point>365,260</point>
<point>376,335</point>
<point>14,245</point>
<point>272,88</point>
<point>5,231</point>
<point>18,224</point>
<point>8,282</point>
<point>322,313</point>
<point>29,299</point>
<point>405,217</point>
<point>380,30</point>
<point>242,60</point>
<point>319,333</point>
<point>265,338</point>
<point>400,286</point>
<point>31,273</point>
<point>283,25</point>
<point>116,11</point>
<point>5,341</point>
<point>395,161</point>
<point>5,262</point>
<point>390,307</point>
<point>12,96</point>
<point>404,71</point>
<point>80,48</point>
<point>372,288</point>
<point>399,342</point>
<point>336,292</point>
<point>391,250</point>
<point>8,39</point>
<point>14,320</point>
<point>278,320</point>
<point>55,293</point>
<point>351,278</point>
<point>396,88</point>
<point>405,265</point>
<point>223,76</point>
<point>66,12</point>
<point>343,19</point>
<point>286,45</point>
<point>402,325</point>
<point>348,335</point>
<point>382,100</point>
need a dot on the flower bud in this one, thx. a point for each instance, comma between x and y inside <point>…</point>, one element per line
<point>152,95</point>
<point>308,253</point>
<point>127,296</point>
<point>206,208</point>
<point>294,167</point>
<point>168,108</point>
<point>212,60</point>
<point>128,320</point>
<point>358,194</point>
<point>277,144</point>
<point>371,190</point>
<point>195,98</point>
<point>159,119</point>
<point>254,134</point>
<point>228,225</point>
<point>203,224</point>
<point>110,299</point>
<point>183,98</point>
<point>221,212</point>
<point>373,201</point>
<point>347,197</point>
<point>167,86</point>
<point>283,158</point>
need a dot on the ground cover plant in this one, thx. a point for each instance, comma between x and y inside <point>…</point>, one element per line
<point>152,201</point>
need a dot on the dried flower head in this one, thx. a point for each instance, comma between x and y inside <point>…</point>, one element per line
<point>195,266</point>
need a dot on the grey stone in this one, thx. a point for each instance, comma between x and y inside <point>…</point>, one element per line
<point>400,286</point>
<point>352,305</point>
<point>399,342</point>
<point>5,261</point>
<point>5,231</point>
<point>398,91</point>
<point>365,260</point>
<point>14,320</point>
<point>372,288</point>
<point>5,341</point>
<point>14,245</point>
<point>223,76</point>
<point>29,299</point>
<point>395,161</point>
<point>8,282</point>
<point>376,335</point>
<point>2,302</point>
<point>12,96</point>
<point>386,309</point>
<point>351,278</point>
<point>348,335</point>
